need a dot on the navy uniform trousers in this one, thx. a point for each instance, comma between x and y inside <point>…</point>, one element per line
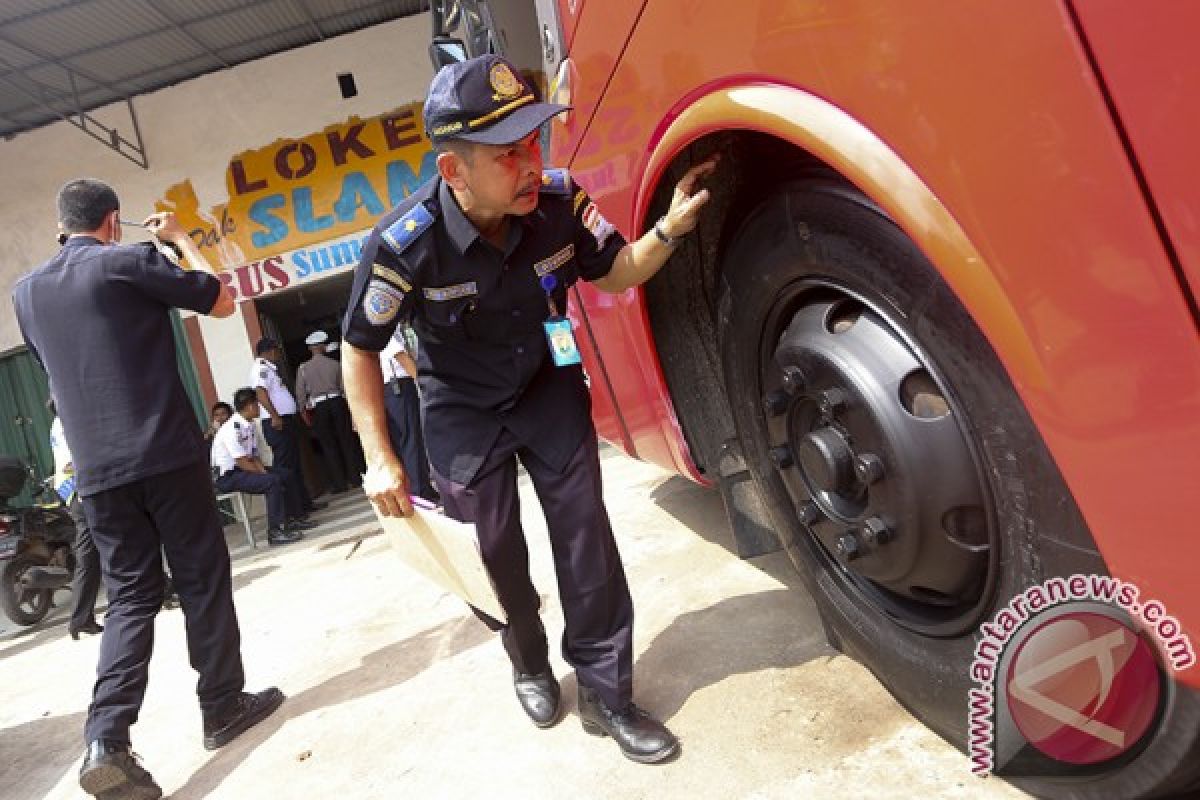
<point>339,446</point>
<point>406,435</point>
<point>285,452</point>
<point>283,501</point>
<point>132,526</point>
<point>85,583</point>
<point>597,608</point>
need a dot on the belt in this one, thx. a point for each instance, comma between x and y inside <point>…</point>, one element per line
<point>322,397</point>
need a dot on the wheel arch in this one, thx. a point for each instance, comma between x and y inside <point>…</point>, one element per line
<point>768,133</point>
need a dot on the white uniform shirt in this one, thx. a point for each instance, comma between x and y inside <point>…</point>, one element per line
<point>264,374</point>
<point>235,439</point>
<point>387,360</point>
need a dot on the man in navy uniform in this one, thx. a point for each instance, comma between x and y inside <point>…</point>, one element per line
<point>239,469</point>
<point>97,316</point>
<point>480,259</point>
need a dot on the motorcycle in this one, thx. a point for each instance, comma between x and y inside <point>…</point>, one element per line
<point>36,545</point>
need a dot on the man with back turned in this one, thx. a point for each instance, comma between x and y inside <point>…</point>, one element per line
<point>97,317</point>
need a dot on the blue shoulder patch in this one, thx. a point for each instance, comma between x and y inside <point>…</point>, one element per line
<point>556,181</point>
<point>404,231</point>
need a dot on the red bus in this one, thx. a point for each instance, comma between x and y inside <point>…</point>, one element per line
<point>936,335</point>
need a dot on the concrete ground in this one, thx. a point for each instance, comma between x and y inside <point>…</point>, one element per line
<point>395,690</point>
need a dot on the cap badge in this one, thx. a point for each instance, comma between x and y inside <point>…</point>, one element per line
<point>504,82</point>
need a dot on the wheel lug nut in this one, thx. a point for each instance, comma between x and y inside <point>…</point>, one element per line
<point>847,546</point>
<point>868,468</point>
<point>776,403</point>
<point>793,380</point>
<point>830,401</point>
<point>782,456</point>
<point>875,532</point>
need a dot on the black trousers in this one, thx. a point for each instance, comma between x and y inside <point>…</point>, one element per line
<point>598,640</point>
<point>404,430</point>
<point>132,525</point>
<point>282,501</point>
<point>85,584</point>
<point>343,455</point>
<point>285,453</point>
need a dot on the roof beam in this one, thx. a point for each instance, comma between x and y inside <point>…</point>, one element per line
<point>109,137</point>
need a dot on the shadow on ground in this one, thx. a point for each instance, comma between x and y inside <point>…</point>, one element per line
<point>247,577</point>
<point>382,669</point>
<point>702,511</point>
<point>776,629</point>
<point>38,752</point>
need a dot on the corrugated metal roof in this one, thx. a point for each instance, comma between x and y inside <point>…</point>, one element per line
<point>61,56</point>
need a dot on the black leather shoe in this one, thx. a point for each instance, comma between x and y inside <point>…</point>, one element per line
<point>277,536</point>
<point>315,507</point>
<point>539,695</point>
<point>111,771</point>
<point>300,524</point>
<point>640,737</point>
<point>91,626</point>
<point>246,711</point>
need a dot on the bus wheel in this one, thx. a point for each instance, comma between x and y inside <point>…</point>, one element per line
<point>902,472</point>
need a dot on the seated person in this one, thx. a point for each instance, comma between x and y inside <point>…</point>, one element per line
<point>239,469</point>
<point>218,416</point>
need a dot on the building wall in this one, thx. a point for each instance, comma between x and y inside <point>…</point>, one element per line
<point>191,131</point>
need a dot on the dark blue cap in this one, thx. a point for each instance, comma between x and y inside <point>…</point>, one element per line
<point>485,100</point>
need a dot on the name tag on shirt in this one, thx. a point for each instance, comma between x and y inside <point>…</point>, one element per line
<point>561,338</point>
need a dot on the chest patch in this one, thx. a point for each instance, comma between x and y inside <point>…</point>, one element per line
<point>381,303</point>
<point>441,294</point>
<point>548,265</point>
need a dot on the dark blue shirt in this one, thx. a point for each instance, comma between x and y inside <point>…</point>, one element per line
<point>477,309</point>
<point>98,319</point>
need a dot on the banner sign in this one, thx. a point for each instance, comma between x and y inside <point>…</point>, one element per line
<point>301,208</point>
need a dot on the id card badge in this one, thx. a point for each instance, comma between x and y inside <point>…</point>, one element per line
<point>563,349</point>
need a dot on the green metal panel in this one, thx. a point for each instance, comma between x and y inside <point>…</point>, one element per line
<point>24,418</point>
<point>187,370</point>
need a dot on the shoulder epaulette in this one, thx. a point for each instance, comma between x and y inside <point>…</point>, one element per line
<point>556,181</point>
<point>404,231</point>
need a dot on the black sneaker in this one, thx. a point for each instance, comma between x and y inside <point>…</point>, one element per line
<point>246,711</point>
<point>111,771</point>
<point>281,535</point>
<point>300,524</point>
<point>315,507</point>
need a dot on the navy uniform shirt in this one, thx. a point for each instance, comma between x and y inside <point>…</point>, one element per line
<point>97,317</point>
<point>484,362</point>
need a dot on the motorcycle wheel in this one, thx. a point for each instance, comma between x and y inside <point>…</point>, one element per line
<point>23,606</point>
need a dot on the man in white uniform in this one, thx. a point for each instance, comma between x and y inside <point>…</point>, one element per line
<point>85,583</point>
<point>239,469</point>
<point>280,425</point>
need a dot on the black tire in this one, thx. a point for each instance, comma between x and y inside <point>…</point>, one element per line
<point>821,239</point>
<point>24,607</point>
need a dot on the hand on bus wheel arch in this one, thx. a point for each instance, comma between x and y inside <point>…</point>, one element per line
<point>686,202</point>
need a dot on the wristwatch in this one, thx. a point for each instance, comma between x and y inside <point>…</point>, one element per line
<point>669,241</point>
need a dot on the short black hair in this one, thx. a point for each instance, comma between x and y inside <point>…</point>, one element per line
<point>84,203</point>
<point>212,412</point>
<point>244,397</point>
